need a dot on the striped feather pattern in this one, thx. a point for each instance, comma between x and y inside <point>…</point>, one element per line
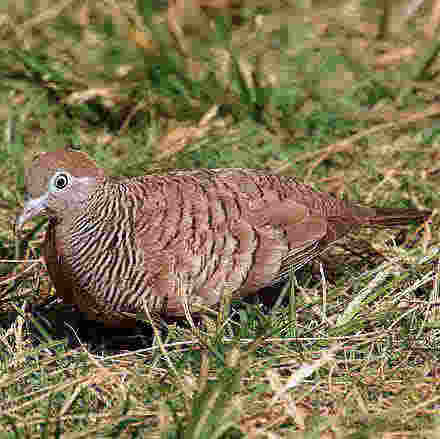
<point>195,234</point>
<point>186,237</point>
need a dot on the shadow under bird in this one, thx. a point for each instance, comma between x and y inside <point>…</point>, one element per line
<point>184,238</point>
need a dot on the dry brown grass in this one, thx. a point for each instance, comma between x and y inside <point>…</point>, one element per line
<point>307,91</point>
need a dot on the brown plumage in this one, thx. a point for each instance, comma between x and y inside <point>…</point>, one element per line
<point>115,246</point>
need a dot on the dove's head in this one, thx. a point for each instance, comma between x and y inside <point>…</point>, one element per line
<point>58,183</point>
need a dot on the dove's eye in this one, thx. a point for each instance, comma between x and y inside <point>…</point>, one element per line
<point>59,181</point>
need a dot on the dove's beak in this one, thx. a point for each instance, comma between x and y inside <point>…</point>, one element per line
<point>32,207</point>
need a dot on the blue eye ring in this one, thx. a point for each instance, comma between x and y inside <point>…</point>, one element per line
<point>60,181</point>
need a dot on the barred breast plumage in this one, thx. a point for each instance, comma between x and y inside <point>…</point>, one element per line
<point>189,236</point>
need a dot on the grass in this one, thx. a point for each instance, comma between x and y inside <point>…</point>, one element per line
<point>350,349</point>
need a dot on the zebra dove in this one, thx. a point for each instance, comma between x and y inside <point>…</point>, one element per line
<point>181,239</point>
